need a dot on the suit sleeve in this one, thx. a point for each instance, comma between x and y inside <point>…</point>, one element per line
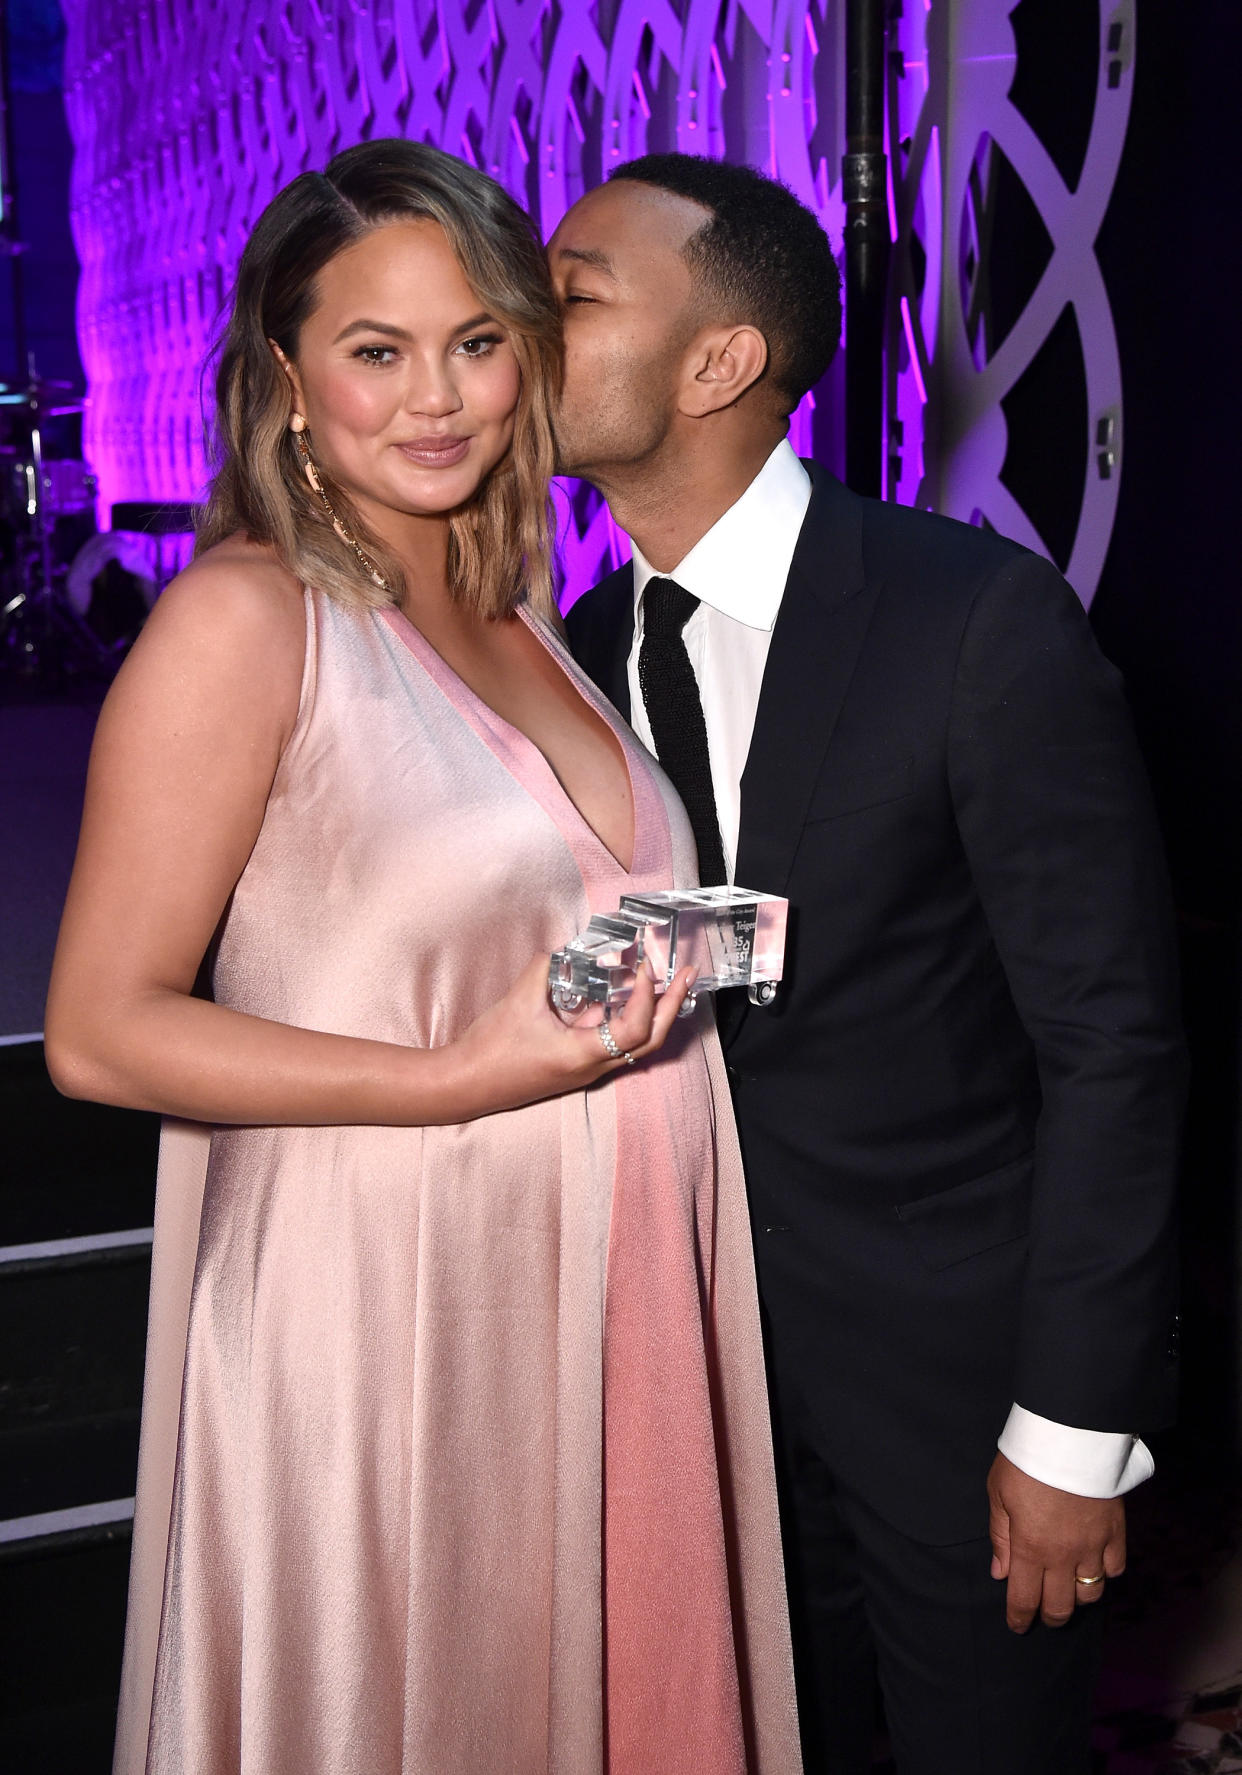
<point>1054,811</point>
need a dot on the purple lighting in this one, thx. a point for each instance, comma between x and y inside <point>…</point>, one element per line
<point>187,119</point>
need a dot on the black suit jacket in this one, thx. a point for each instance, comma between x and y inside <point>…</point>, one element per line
<point>960,1118</point>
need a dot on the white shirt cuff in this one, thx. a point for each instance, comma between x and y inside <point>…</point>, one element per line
<point>1090,1463</point>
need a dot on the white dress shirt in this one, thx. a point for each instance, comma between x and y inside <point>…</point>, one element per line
<point>737,571</point>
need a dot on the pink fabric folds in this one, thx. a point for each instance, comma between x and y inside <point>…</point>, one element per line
<point>673,1695</point>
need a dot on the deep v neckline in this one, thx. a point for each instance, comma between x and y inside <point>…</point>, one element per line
<point>511,744</point>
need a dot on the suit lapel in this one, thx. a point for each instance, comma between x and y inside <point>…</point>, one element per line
<point>618,663</point>
<point>600,627</point>
<point>815,646</point>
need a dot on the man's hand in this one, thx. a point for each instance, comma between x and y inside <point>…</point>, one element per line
<point>1046,1541</point>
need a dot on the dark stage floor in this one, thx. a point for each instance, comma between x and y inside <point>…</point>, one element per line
<point>74,1252</point>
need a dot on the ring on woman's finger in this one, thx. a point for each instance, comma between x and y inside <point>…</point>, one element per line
<point>1089,1583</point>
<point>610,1045</point>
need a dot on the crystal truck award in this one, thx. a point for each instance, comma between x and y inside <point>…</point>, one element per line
<point>731,936</point>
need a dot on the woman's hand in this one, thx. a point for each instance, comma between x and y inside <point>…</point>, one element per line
<point>519,1050</point>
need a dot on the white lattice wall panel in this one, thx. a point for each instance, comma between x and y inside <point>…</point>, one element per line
<point>951,113</point>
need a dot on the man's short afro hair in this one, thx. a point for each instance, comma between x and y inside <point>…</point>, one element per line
<point>762,257</point>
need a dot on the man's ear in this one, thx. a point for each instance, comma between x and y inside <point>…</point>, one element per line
<point>725,362</point>
<point>295,386</point>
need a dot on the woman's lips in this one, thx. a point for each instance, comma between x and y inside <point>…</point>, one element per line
<point>435,452</point>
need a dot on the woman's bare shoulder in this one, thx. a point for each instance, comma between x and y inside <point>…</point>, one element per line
<point>236,585</point>
<point>230,630</point>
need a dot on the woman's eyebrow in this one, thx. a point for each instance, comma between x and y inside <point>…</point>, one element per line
<point>371,326</point>
<point>390,332</point>
<point>477,320</point>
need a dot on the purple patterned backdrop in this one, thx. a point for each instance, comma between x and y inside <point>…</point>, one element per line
<point>188,117</point>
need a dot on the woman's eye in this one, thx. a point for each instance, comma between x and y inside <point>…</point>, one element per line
<point>375,354</point>
<point>575,296</point>
<point>479,344</point>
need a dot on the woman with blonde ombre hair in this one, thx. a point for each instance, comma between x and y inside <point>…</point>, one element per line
<point>455,1455</point>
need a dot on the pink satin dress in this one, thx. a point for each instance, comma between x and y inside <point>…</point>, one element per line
<point>455,1452</point>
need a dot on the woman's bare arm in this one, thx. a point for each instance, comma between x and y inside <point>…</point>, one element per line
<point>185,754</point>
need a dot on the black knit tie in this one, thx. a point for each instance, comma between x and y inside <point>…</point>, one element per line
<point>675,712</point>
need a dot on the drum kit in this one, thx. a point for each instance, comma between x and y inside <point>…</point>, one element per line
<point>47,515</point>
<point>51,634</point>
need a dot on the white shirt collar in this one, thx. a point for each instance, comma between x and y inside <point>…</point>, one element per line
<point>740,566</point>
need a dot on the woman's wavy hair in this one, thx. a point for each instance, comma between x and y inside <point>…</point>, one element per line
<point>500,543</point>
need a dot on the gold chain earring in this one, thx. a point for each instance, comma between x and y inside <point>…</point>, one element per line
<point>311,470</point>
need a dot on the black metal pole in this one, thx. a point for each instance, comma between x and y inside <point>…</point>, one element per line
<point>867,244</point>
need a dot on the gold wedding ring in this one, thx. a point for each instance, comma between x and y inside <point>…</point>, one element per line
<point>1098,1579</point>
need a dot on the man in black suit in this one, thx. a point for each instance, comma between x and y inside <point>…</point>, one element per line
<point>959,1120</point>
